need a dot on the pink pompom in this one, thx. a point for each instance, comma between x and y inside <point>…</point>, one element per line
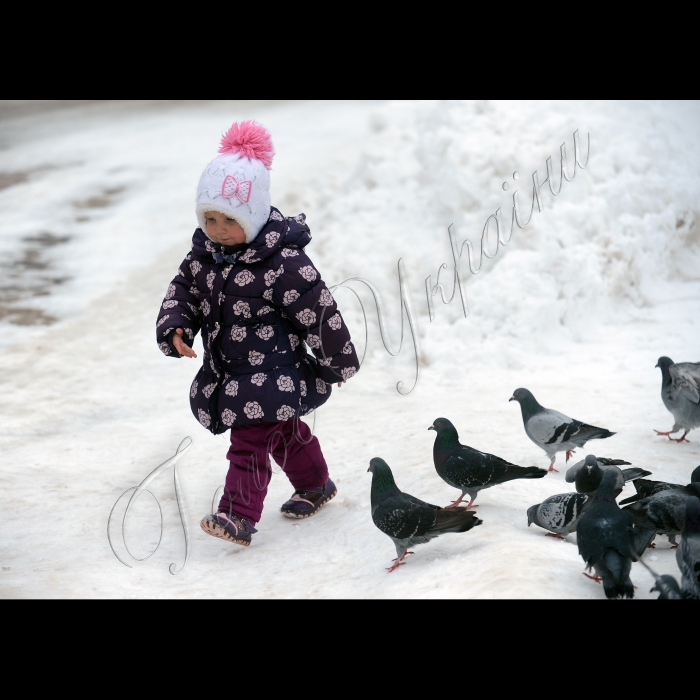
<point>251,140</point>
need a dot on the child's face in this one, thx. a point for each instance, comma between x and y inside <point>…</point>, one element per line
<point>223,230</point>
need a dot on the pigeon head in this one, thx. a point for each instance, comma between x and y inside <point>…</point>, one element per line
<point>692,514</point>
<point>440,425</point>
<point>528,403</point>
<point>665,363</point>
<point>667,586</point>
<point>608,486</point>
<point>695,476</point>
<point>590,462</point>
<point>378,466</point>
<point>532,514</point>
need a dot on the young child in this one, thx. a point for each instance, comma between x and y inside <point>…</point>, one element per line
<point>251,289</point>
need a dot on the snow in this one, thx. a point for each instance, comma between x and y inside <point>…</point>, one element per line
<point>577,308</point>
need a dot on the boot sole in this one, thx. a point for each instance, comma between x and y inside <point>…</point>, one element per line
<point>298,516</point>
<point>215,530</point>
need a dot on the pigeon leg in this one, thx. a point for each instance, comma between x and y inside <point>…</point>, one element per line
<point>651,546</point>
<point>680,439</point>
<point>569,453</point>
<point>552,534</point>
<point>667,433</point>
<point>597,579</point>
<point>399,561</point>
<point>454,504</point>
<point>674,545</point>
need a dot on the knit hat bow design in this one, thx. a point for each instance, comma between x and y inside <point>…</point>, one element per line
<point>237,182</point>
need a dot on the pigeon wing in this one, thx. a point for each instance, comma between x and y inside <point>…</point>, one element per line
<point>686,379</point>
<point>403,518</point>
<point>546,427</point>
<point>603,527</point>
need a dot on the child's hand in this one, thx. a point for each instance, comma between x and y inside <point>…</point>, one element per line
<point>181,346</point>
<point>341,383</point>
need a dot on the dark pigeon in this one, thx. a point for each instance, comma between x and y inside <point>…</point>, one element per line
<point>688,552</point>
<point>662,513</point>
<point>666,585</point>
<point>604,537</point>
<point>680,392</point>
<point>559,514</point>
<point>588,473</point>
<point>553,431</point>
<point>408,520</point>
<point>646,488</point>
<point>470,470</point>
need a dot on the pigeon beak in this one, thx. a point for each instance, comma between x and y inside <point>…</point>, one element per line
<point>512,398</point>
<point>431,428</point>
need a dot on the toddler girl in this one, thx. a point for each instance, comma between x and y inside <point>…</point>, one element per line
<point>251,289</point>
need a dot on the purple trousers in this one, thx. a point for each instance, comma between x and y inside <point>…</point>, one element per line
<point>292,446</point>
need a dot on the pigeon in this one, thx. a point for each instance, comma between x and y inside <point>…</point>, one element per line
<point>559,514</point>
<point>680,392</point>
<point>470,470</point>
<point>646,487</point>
<point>688,552</point>
<point>604,538</point>
<point>662,513</point>
<point>588,473</point>
<point>553,431</point>
<point>408,520</point>
<point>666,585</point>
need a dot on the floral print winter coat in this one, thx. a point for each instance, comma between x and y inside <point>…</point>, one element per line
<point>257,305</point>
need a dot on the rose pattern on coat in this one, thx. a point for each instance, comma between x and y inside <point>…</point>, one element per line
<point>313,341</point>
<point>222,298</point>
<point>285,413</point>
<point>302,387</point>
<point>272,238</point>
<point>265,332</point>
<point>195,267</point>
<point>210,280</point>
<point>289,253</point>
<point>204,305</point>
<point>208,390</point>
<point>308,273</point>
<point>162,320</point>
<point>265,310</point>
<point>170,304</point>
<point>242,308</point>
<point>249,256</point>
<point>300,218</point>
<point>193,388</point>
<point>320,386</point>
<point>171,291</point>
<point>293,340</point>
<point>210,247</point>
<point>267,295</point>
<point>238,333</point>
<point>285,383</point>
<point>194,292</point>
<point>204,418</point>
<point>231,388</point>
<point>228,417</point>
<point>259,378</point>
<point>335,322</point>
<point>228,269</point>
<point>253,410</point>
<point>325,362</point>
<point>290,297</point>
<point>165,348</point>
<point>276,216</point>
<point>244,277</point>
<point>326,298</point>
<point>255,357</point>
<point>347,348</point>
<point>307,317</point>
<point>348,372</point>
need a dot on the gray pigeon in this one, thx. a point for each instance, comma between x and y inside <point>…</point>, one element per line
<point>688,552</point>
<point>588,473</point>
<point>559,514</point>
<point>408,520</point>
<point>553,431</point>
<point>471,470</point>
<point>680,392</point>
<point>604,538</point>
<point>666,585</point>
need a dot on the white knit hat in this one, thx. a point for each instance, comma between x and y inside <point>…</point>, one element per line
<point>237,182</point>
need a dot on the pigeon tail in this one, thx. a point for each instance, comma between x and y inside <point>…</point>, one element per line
<point>634,473</point>
<point>615,572</point>
<point>515,472</point>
